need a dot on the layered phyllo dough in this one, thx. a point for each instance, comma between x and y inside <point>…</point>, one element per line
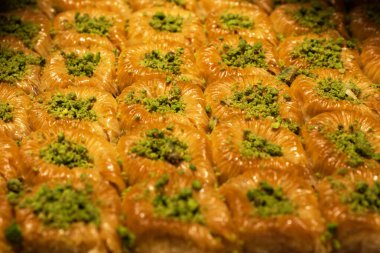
<point>234,56</point>
<point>30,27</point>
<point>158,148</point>
<point>370,58</point>
<point>160,24</point>
<point>8,237</point>
<point>19,66</point>
<point>159,100</point>
<point>116,6</point>
<point>342,139</point>
<point>79,66</point>
<point>189,5</point>
<point>169,60</point>
<point>83,108</point>
<point>365,20</point>
<point>14,110</point>
<point>274,213</point>
<point>252,98</point>
<point>66,153</point>
<point>67,216</point>
<point>97,22</point>
<point>81,40</point>
<point>11,164</point>
<point>326,90</point>
<point>212,5</point>
<point>349,203</point>
<point>176,214</point>
<point>239,146</point>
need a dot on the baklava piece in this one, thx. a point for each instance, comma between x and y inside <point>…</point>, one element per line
<point>72,39</point>
<point>365,20</point>
<point>11,164</point>
<point>342,139</point>
<point>370,58</point>
<point>212,5</point>
<point>190,5</point>
<point>116,6</point>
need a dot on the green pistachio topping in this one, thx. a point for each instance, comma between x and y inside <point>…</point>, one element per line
<point>92,25</point>
<point>337,89</point>
<point>316,17</point>
<point>69,106</point>
<point>269,201</point>
<point>169,62</point>
<point>354,143</point>
<point>13,234</point>
<point>166,23</point>
<point>6,112</point>
<point>170,103</point>
<point>8,5</point>
<point>254,146</point>
<point>177,2</point>
<point>14,64</point>
<point>244,55</point>
<point>320,53</point>
<point>373,13</point>
<point>128,239</point>
<point>15,189</point>
<point>364,198</point>
<point>25,31</point>
<point>63,205</point>
<point>66,153</point>
<point>162,145</point>
<point>232,21</point>
<point>81,66</point>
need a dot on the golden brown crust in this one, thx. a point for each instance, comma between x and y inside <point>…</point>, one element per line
<point>6,217</point>
<point>370,58</point>
<point>361,25</point>
<point>212,5</point>
<point>11,164</point>
<point>190,5</point>
<point>116,6</point>
<point>70,39</point>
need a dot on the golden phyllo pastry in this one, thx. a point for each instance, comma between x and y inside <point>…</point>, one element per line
<point>365,20</point>
<point>350,205</point>
<point>93,21</point>
<point>157,148</point>
<point>67,216</point>
<point>327,90</point>
<point>158,100</point>
<point>83,108</point>
<point>342,139</point>
<point>80,66</point>
<point>189,5</point>
<point>234,56</point>
<point>67,153</point>
<point>19,66</point>
<point>370,58</point>
<point>14,109</point>
<point>212,5</point>
<point>239,146</point>
<point>73,39</point>
<point>8,230</point>
<point>116,6</point>
<point>11,164</point>
<point>169,60</point>
<point>177,214</point>
<point>274,213</point>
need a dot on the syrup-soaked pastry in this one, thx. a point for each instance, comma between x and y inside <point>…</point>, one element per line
<point>274,212</point>
<point>342,139</point>
<point>7,237</point>
<point>166,59</point>
<point>350,205</point>
<point>11,164</point>
<point>254,97</point>
<point>177,214</point>
<point>157,148</point>
<point>190,5</point>
<point>83,108</point>
<point>234,56</point>
<point>76,215</point>
<point>365,20</point>
<point>19,66</point>
<point>245,22</point>
<point>14,109</point>
<point>304,18</point>
<point>154,25</point>
<point>370,58</point>
<point>31,27</point>
<point>239,146</point>
<point>79,66</point>
<point>212,5</point>
<point>156,99</point>
<point>35,5</point>
<point>67,153</point>
<point>70,39</point>
<point>116,6</point>
<point>327,90</point>
<point>98,22</point>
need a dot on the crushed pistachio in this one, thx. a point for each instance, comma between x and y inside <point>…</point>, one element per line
<point>177,2</point>
<point>354,143</point>
<point>196,185</point>
<point>364,198</point>
<point>92,25</point>
<point>66,153</point>
<point>337,89</point>
<point>13,234</point>
<point>232,21</point>
<point>169,103</point>
<point>162,181</point>
<point>169,62</point>
<point>81,66</point>
<point>162,145</point>
<point>14,64</point>
<point>6,112</point>
<point>128,239</point>
<point>320,53</point>
<point>330,234</point>
<point>254,146</point>
<point>62,205</point>
<point>69,106</point>
<point>375,86</point>
<point>8,5</point>
<point>269,201</point>
<point>166,23</point>
<point>23,30</point>
<point>15,189</point>
<point>289,74</point>
<point>315,17</point>
<point>244,55</point>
